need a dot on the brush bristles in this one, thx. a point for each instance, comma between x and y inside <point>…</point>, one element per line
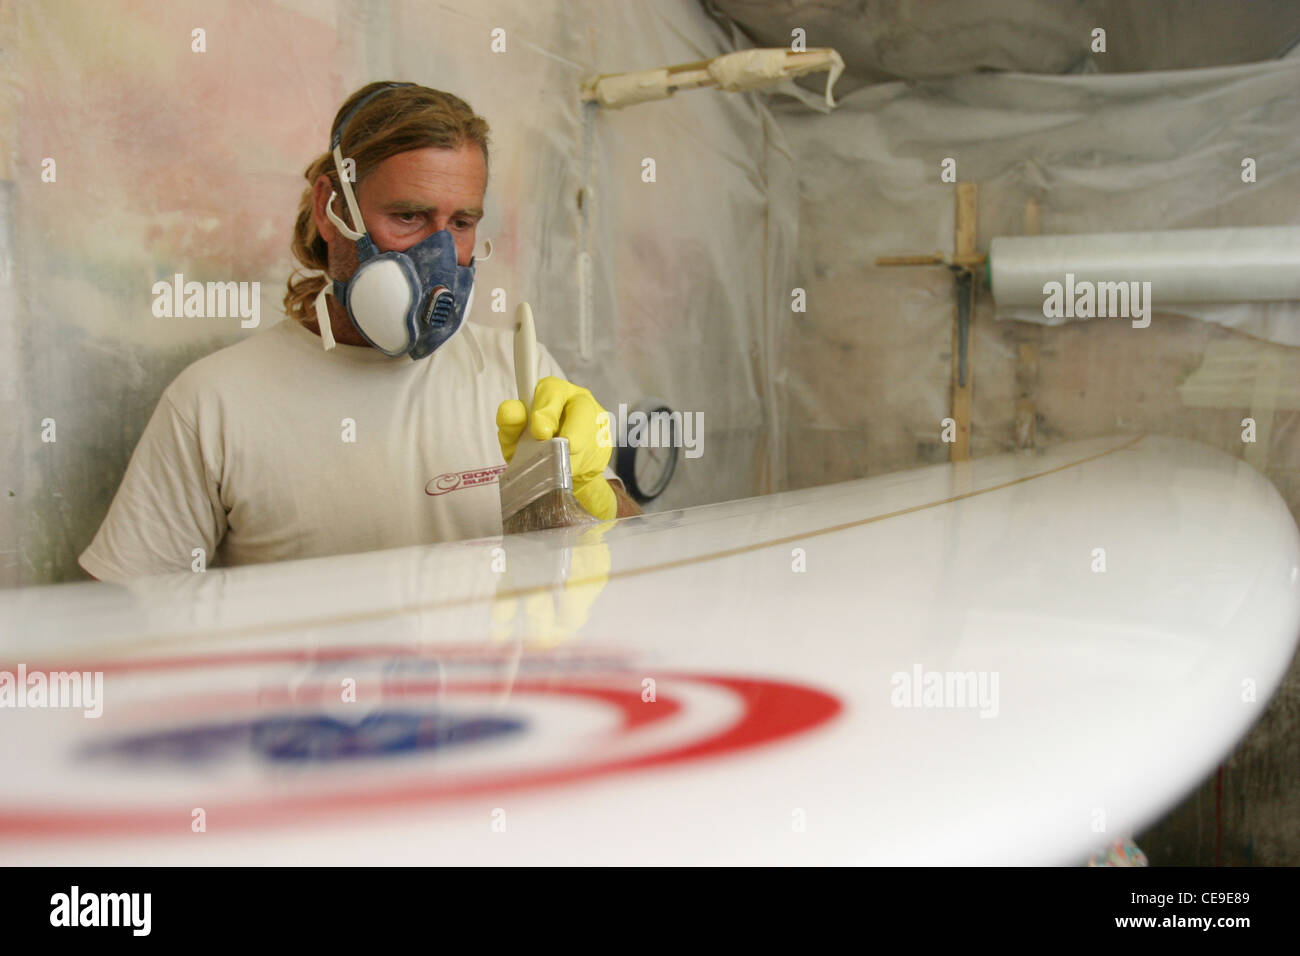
<point>555,509</point>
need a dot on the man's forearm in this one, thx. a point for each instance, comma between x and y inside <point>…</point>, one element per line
<point>626,506</point>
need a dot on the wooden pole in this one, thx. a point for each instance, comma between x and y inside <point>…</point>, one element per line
<point>1029,339</point>
<point>964,250</point>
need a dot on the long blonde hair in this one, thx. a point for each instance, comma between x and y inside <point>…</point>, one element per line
<point>401,119</point>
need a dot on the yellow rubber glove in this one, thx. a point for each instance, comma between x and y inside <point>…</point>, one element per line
<point>564,410</point>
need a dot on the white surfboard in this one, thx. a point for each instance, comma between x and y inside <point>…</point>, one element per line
<point>1011,661</point>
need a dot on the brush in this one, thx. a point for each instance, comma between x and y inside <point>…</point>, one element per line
<point>537,486</point>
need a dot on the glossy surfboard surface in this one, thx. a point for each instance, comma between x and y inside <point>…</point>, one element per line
<point>1016,660</point>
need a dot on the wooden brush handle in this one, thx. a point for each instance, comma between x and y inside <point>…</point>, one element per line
<point>525,356</point>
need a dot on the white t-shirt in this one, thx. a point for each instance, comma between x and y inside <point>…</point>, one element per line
<point>247,457</point>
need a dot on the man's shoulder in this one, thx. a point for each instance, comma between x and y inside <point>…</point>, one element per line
<point>492,339</point>
<point>498,347</point>
<point>232,368</point>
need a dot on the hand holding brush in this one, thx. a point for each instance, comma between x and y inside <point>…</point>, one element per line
<point>537,488</point>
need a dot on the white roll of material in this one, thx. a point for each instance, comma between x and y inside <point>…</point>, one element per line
<point>1185,265</point>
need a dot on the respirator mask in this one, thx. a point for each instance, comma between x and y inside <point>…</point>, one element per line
<point>403,303</point>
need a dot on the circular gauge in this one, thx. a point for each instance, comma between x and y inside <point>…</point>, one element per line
<point>648,459</point>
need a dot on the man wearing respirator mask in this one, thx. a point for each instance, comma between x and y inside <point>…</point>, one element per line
<point>375,416</point>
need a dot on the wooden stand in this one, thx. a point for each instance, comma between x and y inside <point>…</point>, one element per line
<point>966,262</point>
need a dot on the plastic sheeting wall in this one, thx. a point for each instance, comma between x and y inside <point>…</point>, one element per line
<point>868,373</point>
<point>173,161</point>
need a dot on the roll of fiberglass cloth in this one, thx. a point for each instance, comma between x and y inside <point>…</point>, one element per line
<point>1184,265</point>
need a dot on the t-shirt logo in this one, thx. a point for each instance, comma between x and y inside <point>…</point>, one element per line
<point>454,481</point>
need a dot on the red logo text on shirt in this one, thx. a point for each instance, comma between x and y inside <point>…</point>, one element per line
<point>456,480</point>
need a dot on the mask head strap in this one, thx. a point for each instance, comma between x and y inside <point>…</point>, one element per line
<point>336,148</point>
<point>339,224</point>
<point>323,317</point>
